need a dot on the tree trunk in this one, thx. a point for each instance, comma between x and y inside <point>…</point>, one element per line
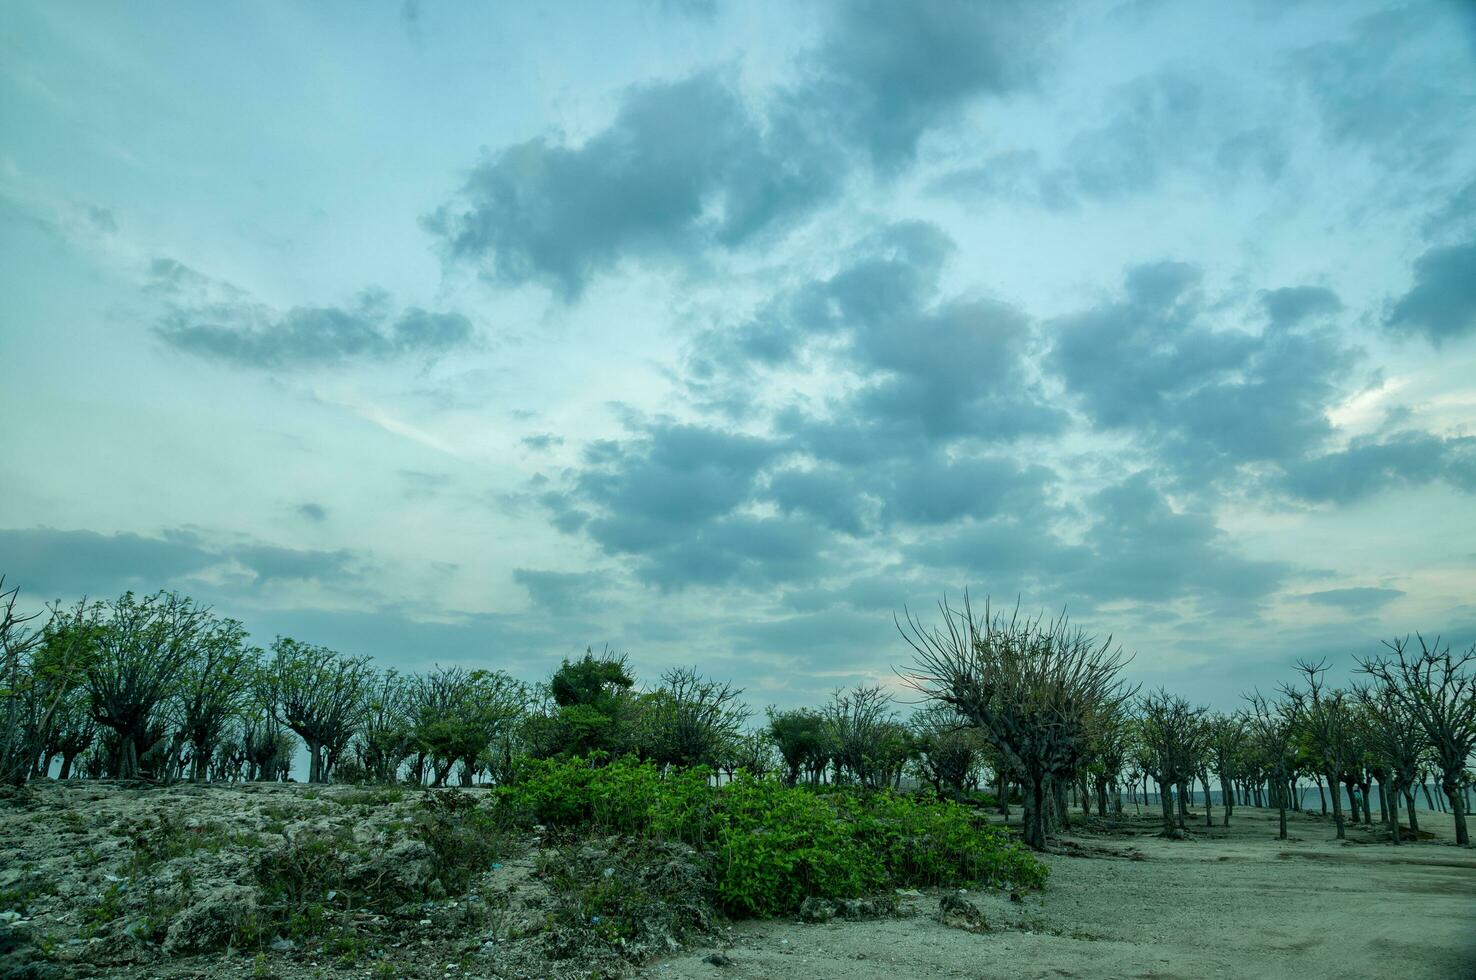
<point>1035,805</point>
<point>1414,820</point>
<point>1166,801</point>
<point>1393,809</point>
<point>66,766</point>
<point>1062,813</point>
<point>315,761</point>
<point>1457,810</point>
<point>1336,792</point>
<point>1227,800</point>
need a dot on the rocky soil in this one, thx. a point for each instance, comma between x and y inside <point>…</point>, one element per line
<point>289,881</point>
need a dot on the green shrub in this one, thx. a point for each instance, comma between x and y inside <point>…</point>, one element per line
<point>463,838</point>
<point>774,846</point>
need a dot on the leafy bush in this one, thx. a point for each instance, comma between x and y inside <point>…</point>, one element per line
<point>774,846</point>
<point>463,838</point>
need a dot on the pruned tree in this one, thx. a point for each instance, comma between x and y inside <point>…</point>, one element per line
<point>1175,739</point>
<point>385,737</point>
<point>215,684</point>
<point>691,720</point>
<point>861,726</point>
<point>1228,735</point>
<point>1031,685</point>
<point>799,736</point>
<point>1398,740</point>
<point>950,751</point>
<point>317,693</point>
<point>1438,690</point>
<point>1273,731</point>
<point>1328,725</point>
<point>139,654</point>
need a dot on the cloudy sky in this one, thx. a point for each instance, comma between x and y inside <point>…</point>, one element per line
<point>720,332</point>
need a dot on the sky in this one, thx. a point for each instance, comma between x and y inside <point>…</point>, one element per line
<point>721,333</point>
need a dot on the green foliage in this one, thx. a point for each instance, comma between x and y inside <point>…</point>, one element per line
<point>463,838</point>
<point>774,846</point>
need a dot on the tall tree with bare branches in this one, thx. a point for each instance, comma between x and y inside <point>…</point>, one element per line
<point>1328,724</point>
<point>1029,684</point>
<point>1438,689</point>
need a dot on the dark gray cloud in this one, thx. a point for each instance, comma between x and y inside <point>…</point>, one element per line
<point>1156,364</point>
<point>1441,305</point>
<point>47,562</point>
<point>562,592</point>
<point>691,165</point>
<point>309,336</point>
<point>216,321</point>
<point>1396,86</point>
<point>1354,600</point>
<point>1137,547</point>
<point>890,72</point>
<point>684,166</point>
<point>1291,305</point>
<point>930,369</point>
<point>315,513</point>
<point>1155,126</point>
<point>1372,465</point>
<point>542,442</point>
<point>270,563</point>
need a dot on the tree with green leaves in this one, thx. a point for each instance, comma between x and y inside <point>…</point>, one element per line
<point>799,736</point>
<point>140,653</point>
<point>215,685</point>
<point>590,708</point>
<point>317,693</point>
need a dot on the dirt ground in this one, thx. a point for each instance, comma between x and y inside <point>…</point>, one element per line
<point>1120,902</point>
<point>1227,903</point>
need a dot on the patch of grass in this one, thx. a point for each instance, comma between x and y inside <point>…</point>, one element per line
<point>166,837</point>
<point>371,796</point>
<point>19,896</point>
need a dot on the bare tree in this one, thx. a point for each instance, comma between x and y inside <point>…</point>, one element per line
<point>690,720</point>
<point>18,743</point>
<point>1438,689</point>
<point>1030,685</point>
<point>1175,739</point>
<point>1329,729</point>
<point>1273,730</point>
<point>317,693</point>
<point>1227,745</point>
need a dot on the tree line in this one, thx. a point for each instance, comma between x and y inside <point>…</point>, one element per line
<point>1017,708</point>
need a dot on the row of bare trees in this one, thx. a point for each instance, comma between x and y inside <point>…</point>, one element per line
<point>1030,707</point>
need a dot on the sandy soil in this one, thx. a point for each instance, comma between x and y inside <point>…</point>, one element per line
<point>1121,902</point>
<point>1227,903</point>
